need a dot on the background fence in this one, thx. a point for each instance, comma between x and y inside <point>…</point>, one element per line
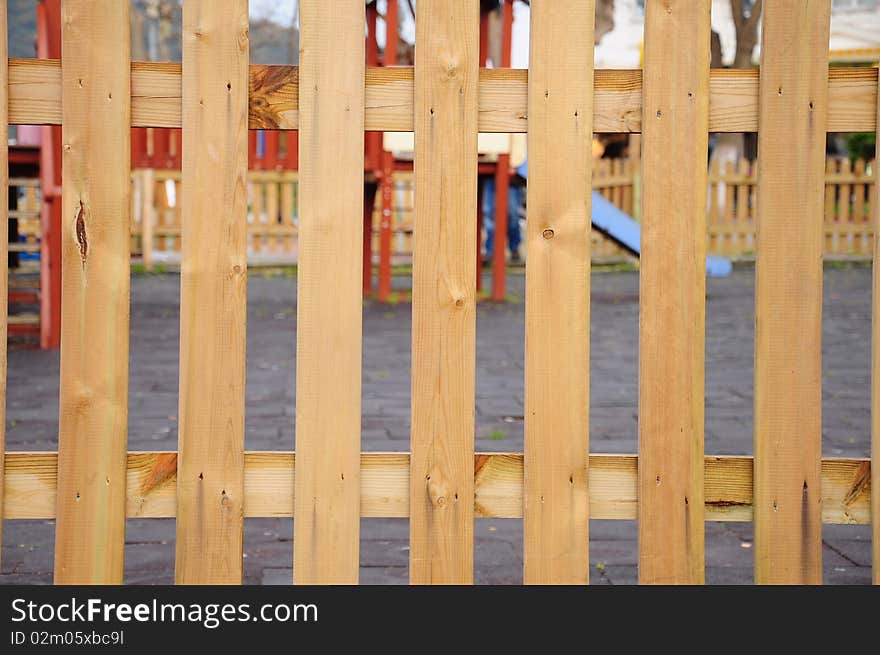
<point>210,484</point>
<point>272,210</point>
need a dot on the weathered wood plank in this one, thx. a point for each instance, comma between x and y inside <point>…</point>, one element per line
<point>96,216</point>
<point>788,291</point>
<point>672,295</point>
<point>444,292</point>
<point>557,385</point>
<point>35,98</point>
<point>498,482</point>
<point>329,298</point>
<point>213,304</point>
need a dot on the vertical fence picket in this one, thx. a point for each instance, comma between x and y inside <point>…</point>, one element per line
<point>557,402</point>
<point>444,292</point>
<point>4,244</point>
<point>788,313</point>
<point>330,293</point>
<point>95,234</point>
<point>830,208</point>
<point>210,481</point>
<point>875,371</point>
<point>672,294</point>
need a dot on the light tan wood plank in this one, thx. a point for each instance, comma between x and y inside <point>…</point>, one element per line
<point>557,385</point>
<point>788,312</point>
<point>330,293</point>
<point>148,182</point>
<point>875,375</point>
<point>4,241</point>
<point>35,98</point>
<point>96,216</point>
<point>498,482</point>
<point>672,295</point>
<point>213,303</point>
<point>444,292</point>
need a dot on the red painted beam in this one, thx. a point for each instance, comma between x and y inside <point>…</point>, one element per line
<point>387,185</point>
<point>49,47</point>
<point>369,201</point>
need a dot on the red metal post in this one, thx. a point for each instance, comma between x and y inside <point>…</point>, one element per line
<point>390,55</point>
<point>175,148</point>
<point>139,147</point>
<point>484,38</point>
<point>49,47</point>
<point>252,149</point>
<point>372,140</point>
<point>506,32</point>
<point>387,184</point>
<point>499,259</point>
<point>502,175</point>
<point>369,202</point>
<point>270,153</point>
<point>479,235</point>
<point>162,148</point>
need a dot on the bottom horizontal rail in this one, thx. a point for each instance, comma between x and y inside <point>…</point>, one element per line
<point>30,489</point>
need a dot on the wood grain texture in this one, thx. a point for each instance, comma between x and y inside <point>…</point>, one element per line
<point>329,293</point>
<point>444,292</point>
<point>4,241</point>
<point>35,98</point>
<point>148,189</point>
<point>213,303</point>
<point>672,294</point>
<point>498,484</point>
<point>788,312</point>
<point>875,382</point>
<point>557,368</point>
<point>93,421</point>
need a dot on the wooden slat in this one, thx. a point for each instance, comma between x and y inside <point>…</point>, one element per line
<point>444,292</point>
<point>93,422</point>
<point>4,242</point>
<point>557,386</point>
<point>875,375</point>
<point>498,483</point>
<point>788,312</point>
<point>35,98</point>
<point>672,295</point>
<point>330,295</point>
<point>213,306</point>
<point>148,182</point>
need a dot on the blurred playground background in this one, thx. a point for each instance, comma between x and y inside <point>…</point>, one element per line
<point>388,178</point>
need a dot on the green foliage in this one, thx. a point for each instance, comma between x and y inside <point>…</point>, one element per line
<point>862,145</point>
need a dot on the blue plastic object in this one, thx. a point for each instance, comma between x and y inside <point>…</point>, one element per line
<point>627,233</point>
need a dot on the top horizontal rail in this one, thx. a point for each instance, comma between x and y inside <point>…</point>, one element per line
<point>35,98</point>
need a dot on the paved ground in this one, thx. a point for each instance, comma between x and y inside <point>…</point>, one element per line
<point>33,408</point>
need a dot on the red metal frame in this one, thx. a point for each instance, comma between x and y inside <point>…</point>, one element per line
<point>160,148</point>
<point>502,176</point>
<point>49,47</point>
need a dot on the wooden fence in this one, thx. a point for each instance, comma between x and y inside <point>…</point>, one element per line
<point>92,483</point>
<point>731,205</point>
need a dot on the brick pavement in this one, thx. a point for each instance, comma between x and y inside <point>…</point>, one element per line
<point>33,409</point>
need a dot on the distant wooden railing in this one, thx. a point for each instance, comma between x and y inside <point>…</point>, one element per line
<point>849,205</point>
<point>272,214</point>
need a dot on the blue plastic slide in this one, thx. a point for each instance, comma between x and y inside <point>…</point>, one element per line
<point>627,233</point>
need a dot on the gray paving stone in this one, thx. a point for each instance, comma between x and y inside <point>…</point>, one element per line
<point>32,410</point>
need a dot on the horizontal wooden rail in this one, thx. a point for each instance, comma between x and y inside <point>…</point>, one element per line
<point>35,98</point>
<point>498,480</point>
